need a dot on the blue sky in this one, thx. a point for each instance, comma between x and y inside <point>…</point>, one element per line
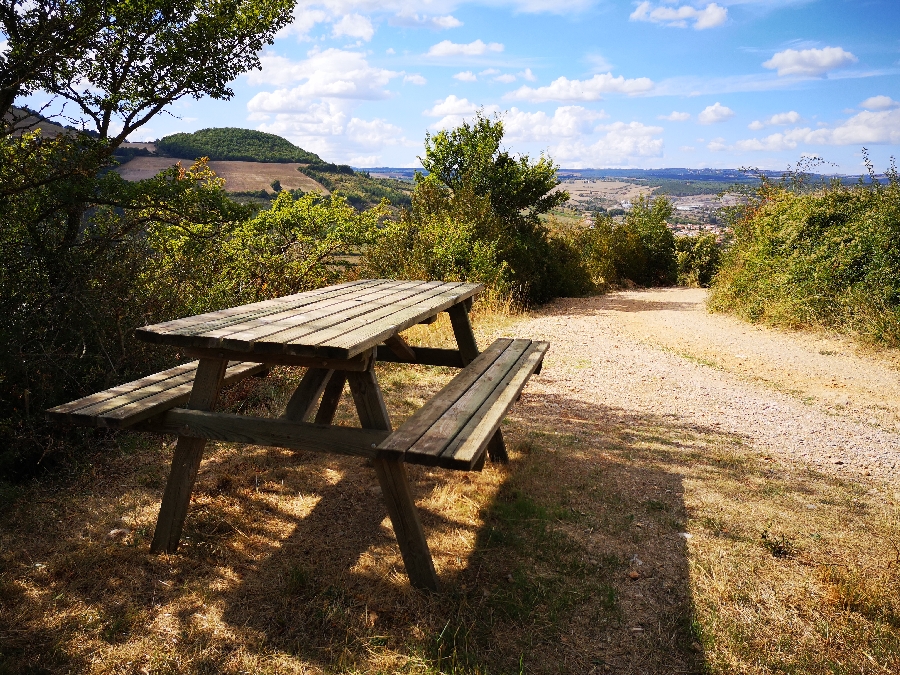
<point>594,83</point>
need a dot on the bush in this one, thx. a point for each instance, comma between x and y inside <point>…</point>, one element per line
<point>698,259</point>
<point>828,258</point>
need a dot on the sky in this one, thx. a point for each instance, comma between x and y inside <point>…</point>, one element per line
<point>592,83</point>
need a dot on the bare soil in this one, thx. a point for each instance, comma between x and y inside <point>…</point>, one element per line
<point>239,176</point>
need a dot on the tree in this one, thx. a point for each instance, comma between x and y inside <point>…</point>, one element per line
<point>647,218</point>
<point>471,155</point>
<point>468,163</point>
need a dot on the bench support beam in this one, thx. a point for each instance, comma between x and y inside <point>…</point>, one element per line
<point>395,487</point>
<point>186,462</point>
<point>468,349</point>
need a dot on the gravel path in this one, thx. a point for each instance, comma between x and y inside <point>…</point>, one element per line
<point>804,397</point>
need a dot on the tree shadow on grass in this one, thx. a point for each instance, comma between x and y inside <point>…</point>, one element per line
<point>569,559</point>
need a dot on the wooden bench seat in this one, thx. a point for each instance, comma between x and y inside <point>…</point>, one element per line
<point>454,428</point>
<point>134,402</point>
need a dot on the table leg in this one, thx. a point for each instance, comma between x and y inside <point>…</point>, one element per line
<point>468,350</point>
<point>394,483</point>
<point>186,461</point>
<point>307,394</point>
<point>332,396</point>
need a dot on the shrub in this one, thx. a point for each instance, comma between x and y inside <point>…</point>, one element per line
<point>698,259</point>
<point>827,258</point>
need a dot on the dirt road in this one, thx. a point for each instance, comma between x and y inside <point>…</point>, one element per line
<point>806,397</point>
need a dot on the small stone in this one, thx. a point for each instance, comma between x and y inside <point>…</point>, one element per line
<point>509,578</point>
<point>685,535</point>
<point>634,574</point>
<point>839,461</point>
<point>118,532</point>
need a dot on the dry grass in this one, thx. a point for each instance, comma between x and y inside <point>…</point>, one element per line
<point>570,559</point>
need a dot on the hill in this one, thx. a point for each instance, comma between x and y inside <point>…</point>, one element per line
<point>233,144</point>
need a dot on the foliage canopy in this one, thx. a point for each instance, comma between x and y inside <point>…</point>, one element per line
<point>228,143</point>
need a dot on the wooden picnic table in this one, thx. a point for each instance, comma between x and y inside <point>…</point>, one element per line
<point>337,333</point>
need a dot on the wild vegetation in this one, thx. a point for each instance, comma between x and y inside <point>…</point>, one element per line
<point>229,143</point>
<point>824,256</point>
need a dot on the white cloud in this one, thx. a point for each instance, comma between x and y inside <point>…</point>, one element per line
<point>779,119</point>
<point>528,75</point>
<point>454,110</point>
<point>506,78</point>
<point>564,89</point>
<point>415,78</point>
<point>809,62</point>
<point>879,103</point>
<point>334,73</point>
<point>354,25</point>
<point>865,128</point>
<point>675,116</point>
<point>476,48</point>
<point>717,145</point>
<point>709,17</point>
<point>623,144</point>
<point>715,113</point>
<point>452,105</point>
<point>466,76</point>
<point>408,18</point>
<point>375,133</point>
<point>687,148</point>
<point>304,21</point>
<point>566,122</point>
<point>489,71</point>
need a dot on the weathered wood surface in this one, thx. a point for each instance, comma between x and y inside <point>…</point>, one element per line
<point>454,428</point>
<point>186,461</point>
<point>361,361</point>
<point>338,323</point>
<point>399,346</point>
<point>130,403</point>
<point>306,395</point>
<point>278,432</point>
<point>394,482</point>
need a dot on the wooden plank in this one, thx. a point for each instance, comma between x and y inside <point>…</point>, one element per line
<point>186,461</point>
<point>426,416</point>
<point>462,331</point>
<point>330,399</point>
<point>272,323</point>
<point>394,482</point>
<point>432,443</point>
<point>126,388</point>
<point>375,333</point>
<point>467,448</point>
<point>275,432</point>
<point>328,334</point>
<point>399,346</point>
<point>136,405</point>
<point>307,394</point>
<point>311,334</point>
<point>426,356</point>
<point>231,315</point>
<point>359,362</point>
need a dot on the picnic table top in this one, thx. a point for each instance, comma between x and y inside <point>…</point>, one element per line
<point>336,322</point>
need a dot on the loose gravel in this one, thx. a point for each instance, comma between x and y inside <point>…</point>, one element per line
<point>802,397</point>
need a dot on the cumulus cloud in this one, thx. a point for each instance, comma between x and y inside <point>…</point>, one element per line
<point>865,128</point>
<point>454,110</point>
<point>466,76</point>
<point>355,26</point>
<point>809,62</point>
<point>476,48</point>
<point>779,119</point>
<point>528,75</point>
<point>564,89</point>
<point>334,73</point>
<point>415,78</point>
<point>709,17</point>
<point>715,113</point>
<point>879,103</point>
<point>675,116</point>
<point>566,122</point>
<point>622,144</point>
<point>506,78</point>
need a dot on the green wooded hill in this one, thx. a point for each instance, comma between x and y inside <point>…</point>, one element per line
<point>230,143</point>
